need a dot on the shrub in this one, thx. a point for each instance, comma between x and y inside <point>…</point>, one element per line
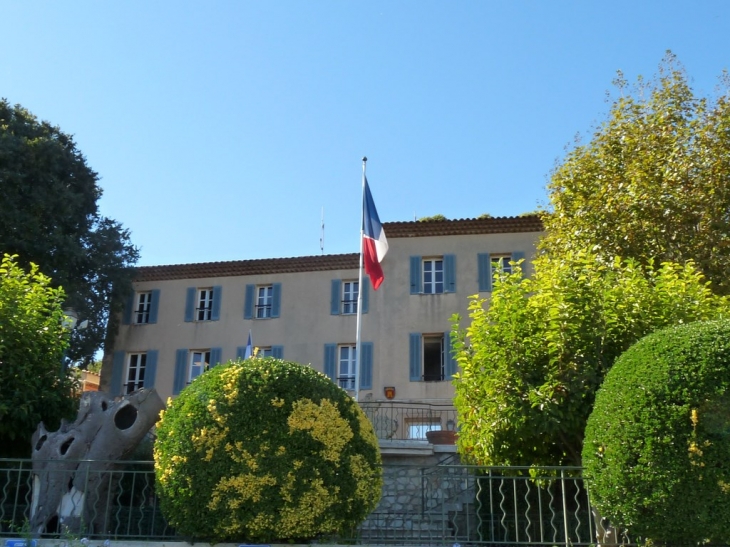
<point>657,445</point>
<point>264,450</point>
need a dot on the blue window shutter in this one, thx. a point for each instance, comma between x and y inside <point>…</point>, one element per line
<point>277,352</point>
<point>248,303</point>
<point>335,297</point>
<point>415,274</point>
<point>449,273</point>
<point>276,300</point>
<point>150,372</point>
<point>181,368</point>
<point>215,313</point>
<point>154,305</point>
<point>366,365</point>
<point>216,355</point>
<point>484,267</point>
<point>365,294</point>
<point>450,364</point>
<point>117,373</point>
<point>240,352</point>
<point>517,256</point>
<point>190,304</point>
<point>330,360</point>
<point>415,357</point>
<point>127,312</point>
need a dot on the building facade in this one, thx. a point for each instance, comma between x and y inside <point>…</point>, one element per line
<point>182,319</point>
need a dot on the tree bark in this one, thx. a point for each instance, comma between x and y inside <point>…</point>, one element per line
<point>73,467</point>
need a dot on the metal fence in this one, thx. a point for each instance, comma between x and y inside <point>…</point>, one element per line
<point>440,505</point>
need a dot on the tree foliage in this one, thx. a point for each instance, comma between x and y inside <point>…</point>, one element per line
<point>32,343</point>
<point>653,183</point>
<point>51,218</point>
<point>532,361</point>
<point>265,450</point>
<point>657,442</point>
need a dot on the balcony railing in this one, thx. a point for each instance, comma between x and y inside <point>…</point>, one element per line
<point>395,420</point>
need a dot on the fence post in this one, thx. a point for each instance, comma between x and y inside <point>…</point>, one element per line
<point>565,508</point>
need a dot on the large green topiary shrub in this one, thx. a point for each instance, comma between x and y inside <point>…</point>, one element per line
<point>657,445</point>
<point>265,450</point>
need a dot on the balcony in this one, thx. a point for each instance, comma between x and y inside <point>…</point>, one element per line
<point>408,421</point>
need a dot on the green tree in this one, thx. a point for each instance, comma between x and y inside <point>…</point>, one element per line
<point>32,343</point>
<point>653,183</point>
<point>52,219</point>
<point>532,362</point>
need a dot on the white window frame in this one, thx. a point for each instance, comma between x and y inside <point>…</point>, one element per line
<point>198,363</point>
<point>204,309</point>
<point>142,309</point>
<point>346,366</point>
<point>418,427</point>
<point>136,367</point>
<point>432,273</point>
<point>350,291</point>
<point>427,369</point>
<point>500,264</point>
<point>264,301</point>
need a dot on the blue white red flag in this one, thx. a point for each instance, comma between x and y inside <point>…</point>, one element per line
<point>374,243</point>
<point>249,348</point>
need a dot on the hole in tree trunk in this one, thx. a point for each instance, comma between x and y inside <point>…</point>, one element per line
<point>51,526</point>
<point>65,446</point>
<point>40,442</point>
<point>104,406</point>
<point>125,418</point>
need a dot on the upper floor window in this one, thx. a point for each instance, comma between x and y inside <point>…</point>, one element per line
<point>203,303</point>
<point>262,301</point>
<point>344,296</point>
<point>136,366</point>
<point>141,308</point>
<point>433,275</point>
<point>491,265</point>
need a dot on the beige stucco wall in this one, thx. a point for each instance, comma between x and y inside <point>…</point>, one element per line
<point>305,323</point>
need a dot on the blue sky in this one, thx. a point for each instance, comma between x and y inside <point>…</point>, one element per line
<point>220,130</point>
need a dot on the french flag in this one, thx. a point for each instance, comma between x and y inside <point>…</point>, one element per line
<point>374,244</point>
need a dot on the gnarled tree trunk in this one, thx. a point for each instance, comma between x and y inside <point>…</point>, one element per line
<point>72,467</point>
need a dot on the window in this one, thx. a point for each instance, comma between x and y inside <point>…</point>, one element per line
<point>349,296</point>
<point>433,276</point>
<point>490,265</point>
<point>136,366</point>
<point>262,301</point>
<point>199,363</point>
<point>344,297</point>
<point>347,365</point>
<point>142,309</point>
<point>418,427</point>
<point>204,308</point>
<point>189,364</point>
<point>277,352</point>
<point>203,304</point>
<point>430,357</point>
<point>341,364</point>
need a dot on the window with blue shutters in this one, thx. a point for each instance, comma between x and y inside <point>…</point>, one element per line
<point>491,266</point>
<point>262,301</point>
<point>341,364</point>
<point>433,275</point>
<point>133,371</point>
<point>203,304</point>
<point>344,296</point>
<point>277,352</point>
<point>141,308</point>
<point>430,358</point>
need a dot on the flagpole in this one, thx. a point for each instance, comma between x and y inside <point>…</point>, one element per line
<point>359,287</point>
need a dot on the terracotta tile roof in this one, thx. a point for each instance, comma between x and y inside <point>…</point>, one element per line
<point>393,230</point>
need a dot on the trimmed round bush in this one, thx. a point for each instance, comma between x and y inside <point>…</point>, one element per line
<point>657,445</point>
<point>264,450</point>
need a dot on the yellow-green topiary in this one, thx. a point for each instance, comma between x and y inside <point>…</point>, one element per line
<point>263,450</point>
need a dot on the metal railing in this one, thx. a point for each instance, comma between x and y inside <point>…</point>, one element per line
<point>437,505</point>
<point>394,420</point>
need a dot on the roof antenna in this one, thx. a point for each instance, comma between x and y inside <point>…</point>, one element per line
<point>321,237</point>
